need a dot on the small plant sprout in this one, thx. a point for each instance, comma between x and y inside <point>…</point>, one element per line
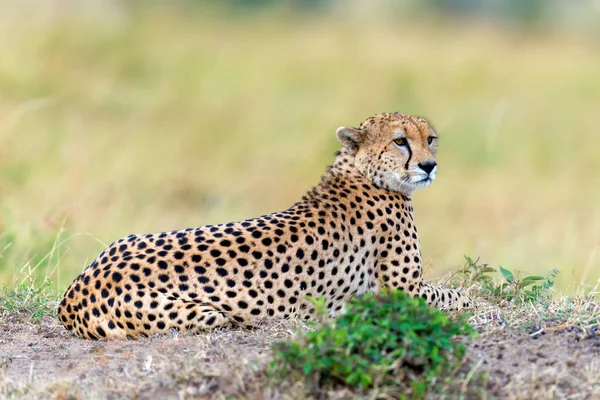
<point>531,288</point>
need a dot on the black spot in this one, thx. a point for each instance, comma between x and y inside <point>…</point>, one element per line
<point>117,277</point>
<point>200,270</point>
<point>221,261</point>
<point>191,315</point>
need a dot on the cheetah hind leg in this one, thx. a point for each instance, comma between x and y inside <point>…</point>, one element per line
<point>184,316</point>
<point>202,318</point>
<point>443,298</point>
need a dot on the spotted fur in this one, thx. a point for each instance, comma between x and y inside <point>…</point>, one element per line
<point>353,233</point>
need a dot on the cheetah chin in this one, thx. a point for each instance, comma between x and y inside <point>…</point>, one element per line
<point>352,233</point>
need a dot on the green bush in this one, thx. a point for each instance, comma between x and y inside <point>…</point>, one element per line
<point>387,340</point>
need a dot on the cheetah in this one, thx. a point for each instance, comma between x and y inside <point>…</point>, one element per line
<point>353,233</point>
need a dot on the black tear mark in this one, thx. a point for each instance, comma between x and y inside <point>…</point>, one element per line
<point>409,155</point>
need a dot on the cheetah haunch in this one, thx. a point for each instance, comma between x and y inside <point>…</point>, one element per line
<point>353,233</point>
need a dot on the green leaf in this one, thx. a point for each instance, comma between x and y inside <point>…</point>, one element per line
<point>530,280</point>
<point>507,274</point>
<point>307,369</point>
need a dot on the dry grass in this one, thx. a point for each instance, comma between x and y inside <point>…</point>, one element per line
<point>541,350</point>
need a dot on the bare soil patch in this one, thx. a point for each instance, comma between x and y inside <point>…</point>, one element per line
<point>43,360</point>
<point>555,363</point>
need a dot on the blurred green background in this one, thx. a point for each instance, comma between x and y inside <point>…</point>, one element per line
<point>121,117</point>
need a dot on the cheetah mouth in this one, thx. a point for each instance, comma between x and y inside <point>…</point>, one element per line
<point>426,181</point>
<point>417,181</point>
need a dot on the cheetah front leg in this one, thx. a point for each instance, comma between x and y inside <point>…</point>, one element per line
<point>408,276</point>
<point>443,298</point>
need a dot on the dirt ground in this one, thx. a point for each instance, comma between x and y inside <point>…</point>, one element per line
<point>559,364</point>
<point>43,360</point>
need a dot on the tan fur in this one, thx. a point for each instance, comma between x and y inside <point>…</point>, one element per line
<point>352,233</point>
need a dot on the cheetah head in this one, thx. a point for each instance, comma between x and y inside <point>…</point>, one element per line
<point>395,151</point>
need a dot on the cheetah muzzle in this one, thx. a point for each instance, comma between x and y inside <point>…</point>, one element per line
<point>353,233</point>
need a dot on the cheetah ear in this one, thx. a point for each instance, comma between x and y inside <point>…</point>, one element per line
<point>350,137</point>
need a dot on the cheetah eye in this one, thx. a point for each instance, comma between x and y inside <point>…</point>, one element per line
<point>430,140</point>
<point>402,142</point>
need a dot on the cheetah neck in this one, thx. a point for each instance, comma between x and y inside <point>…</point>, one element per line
<point>343,178</point>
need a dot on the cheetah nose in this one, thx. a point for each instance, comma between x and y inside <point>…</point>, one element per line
<point>428,166</point>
